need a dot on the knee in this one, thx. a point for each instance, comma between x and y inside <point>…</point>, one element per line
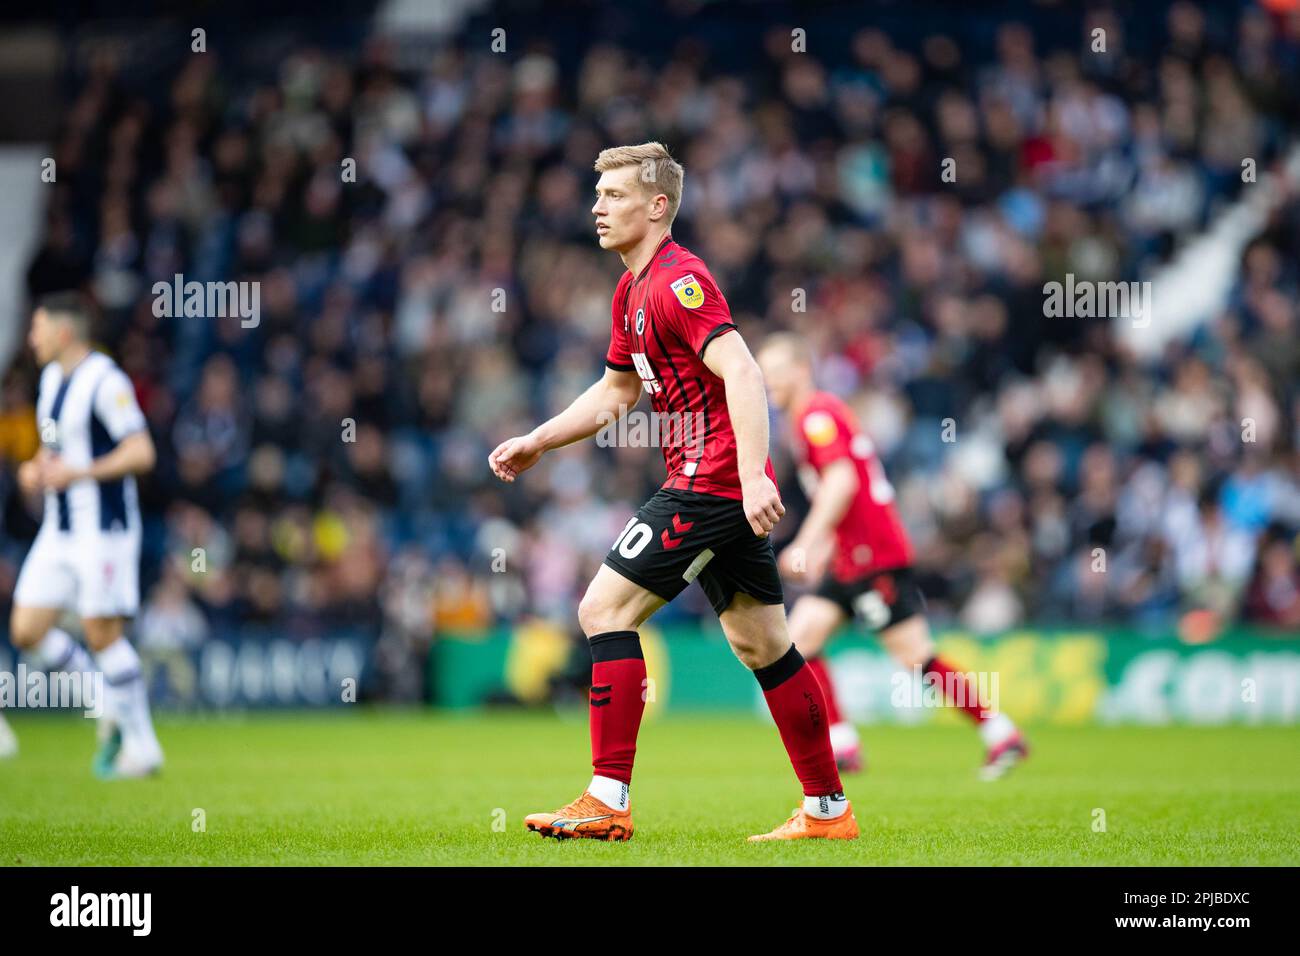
<point>24,632</point>
<point>750,652</point>
<point>101,633</point>
<point>912,646</point>
<point>808,640</point>
<point>598,615</point>
<point>913,658</point>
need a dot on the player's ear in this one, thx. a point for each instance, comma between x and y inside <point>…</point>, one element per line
<point>658,207</point>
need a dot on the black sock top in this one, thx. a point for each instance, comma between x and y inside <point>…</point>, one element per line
<point>781,670</point>
<point>616,646</point>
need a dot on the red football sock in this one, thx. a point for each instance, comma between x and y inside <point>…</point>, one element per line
<point>617,702</point>
<point>818,666</point>
<point>797,703</point>
<point>956,687</point>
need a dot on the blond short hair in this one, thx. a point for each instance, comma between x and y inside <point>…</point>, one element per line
<point>659,171</point>
<point>793,347</point>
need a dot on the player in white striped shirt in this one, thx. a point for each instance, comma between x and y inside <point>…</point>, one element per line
<point>86,556</point>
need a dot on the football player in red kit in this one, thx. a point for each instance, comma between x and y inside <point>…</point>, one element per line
<point>853,546</point>
<point>672,337</point>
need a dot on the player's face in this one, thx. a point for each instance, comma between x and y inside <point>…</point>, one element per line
<point>622,209</point>
<point>44,337</point>
<point>778,374</point>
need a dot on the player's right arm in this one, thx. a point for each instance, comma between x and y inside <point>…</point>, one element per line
<point>603,403</point>
<point>836,488</point>
<point>829,443</point>
<point>29,474</point>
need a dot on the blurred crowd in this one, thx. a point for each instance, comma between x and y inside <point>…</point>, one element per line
<point>328,467</point>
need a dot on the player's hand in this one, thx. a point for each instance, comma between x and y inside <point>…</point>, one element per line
<point>514,456</point>
<point>803,560</point>
<point>763,508</point>
<point>56,475</point>
<point>29,477</point>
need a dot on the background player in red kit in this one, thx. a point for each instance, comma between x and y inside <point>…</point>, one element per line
<point>672,337</point>
<point>852,526</point>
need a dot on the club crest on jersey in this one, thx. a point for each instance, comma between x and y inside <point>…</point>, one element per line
<point>640,321</point>
<point>689,292</point>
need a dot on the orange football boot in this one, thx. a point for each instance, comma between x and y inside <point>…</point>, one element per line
<point>585,817</point>
<point>801,826</point>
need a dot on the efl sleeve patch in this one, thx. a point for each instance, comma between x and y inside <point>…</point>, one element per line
<point>689,292</point>
<point>820,428</point>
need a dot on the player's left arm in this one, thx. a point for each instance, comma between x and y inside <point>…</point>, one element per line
<point>729,358</point>
<point>134,455</point>
<point>836,488</point>
<point>830,451</point>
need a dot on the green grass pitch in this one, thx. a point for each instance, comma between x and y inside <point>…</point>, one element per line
<point>414,787</point>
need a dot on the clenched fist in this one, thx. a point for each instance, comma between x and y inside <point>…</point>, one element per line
<point>762,502</point>
<point>29,477</point>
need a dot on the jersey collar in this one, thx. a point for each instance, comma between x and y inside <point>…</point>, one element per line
<point>668,237</point>
<point>67,376</point>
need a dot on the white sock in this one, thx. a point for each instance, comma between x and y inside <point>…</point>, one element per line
<point>826,808</point>
<point>844,736</point>
<point>125,700</point>
<point>996,729</point>
<point>8,739</point>
<point>57,651</point>
<point>612,793</point>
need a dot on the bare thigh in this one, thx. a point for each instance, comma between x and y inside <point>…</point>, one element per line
<point>909,641</point>
<point>613,603</point>
<point>813,620</point>
<point>27,625</point>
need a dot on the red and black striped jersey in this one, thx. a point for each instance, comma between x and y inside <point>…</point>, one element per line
<point>662,321</point>
<point>870,537</point>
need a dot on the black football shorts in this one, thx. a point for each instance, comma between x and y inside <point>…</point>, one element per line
<point>682,536</point>
<point>878,599</point>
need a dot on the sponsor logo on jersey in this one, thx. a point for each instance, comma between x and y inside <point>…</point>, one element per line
<point>689,292</point>
<point>640,321</point>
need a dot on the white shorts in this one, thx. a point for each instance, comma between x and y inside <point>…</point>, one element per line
<point>96,575</point>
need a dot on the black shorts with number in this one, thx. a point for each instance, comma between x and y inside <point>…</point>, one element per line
<point>878,599</point>
<point>679,536</point>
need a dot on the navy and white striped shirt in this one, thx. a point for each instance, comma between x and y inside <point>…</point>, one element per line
<point>82,416</point>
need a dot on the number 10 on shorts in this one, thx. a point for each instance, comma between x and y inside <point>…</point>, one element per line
<point>633,538</point>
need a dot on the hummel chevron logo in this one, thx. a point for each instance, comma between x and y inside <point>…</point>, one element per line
<point>680,527</point>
